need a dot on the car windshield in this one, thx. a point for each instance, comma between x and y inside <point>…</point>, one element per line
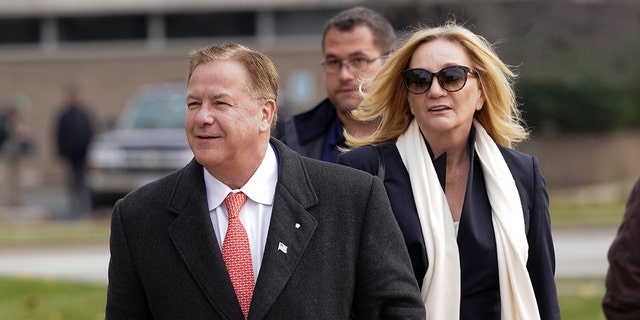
<point>163,110</point>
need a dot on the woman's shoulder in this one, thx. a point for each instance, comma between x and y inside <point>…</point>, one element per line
<point>369,152</point>
<point>362,158</point>
<point>371,158</point>
<point>517,157</point>
<point>523,166</point>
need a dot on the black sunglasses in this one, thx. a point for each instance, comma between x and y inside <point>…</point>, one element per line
<point>451,79</point>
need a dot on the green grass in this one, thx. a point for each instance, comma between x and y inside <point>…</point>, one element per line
<point>57,233</point>
<point>589,207</point>
<point>34,299</point>
<point>580,299</point>
<point>578,215</point>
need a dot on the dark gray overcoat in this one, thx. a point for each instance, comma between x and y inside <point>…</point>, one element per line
<point>347,257</point>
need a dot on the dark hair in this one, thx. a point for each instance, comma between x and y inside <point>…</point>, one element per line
<point>384,35</point>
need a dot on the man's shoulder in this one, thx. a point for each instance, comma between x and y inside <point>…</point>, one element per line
<point>304,128</point>
<point>323,110</point>
<point>151,193</point>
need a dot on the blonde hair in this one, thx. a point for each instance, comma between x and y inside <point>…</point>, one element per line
<point>261,70</point>
<point>386,96</point>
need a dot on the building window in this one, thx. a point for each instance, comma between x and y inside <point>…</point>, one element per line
<point>20,31</point>
<point>302,22</point>
<point>102,28</point>
<point>202,25</point>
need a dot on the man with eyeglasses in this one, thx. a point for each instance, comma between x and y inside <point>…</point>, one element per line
<point>355,44</point>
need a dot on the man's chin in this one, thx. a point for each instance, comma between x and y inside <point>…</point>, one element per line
<point>347,105</point>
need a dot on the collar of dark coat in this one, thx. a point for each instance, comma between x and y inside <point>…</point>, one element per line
<point>315,122</point>
<point>189,191</point>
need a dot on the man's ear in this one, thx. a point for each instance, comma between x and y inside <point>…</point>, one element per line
<point>269,109</point>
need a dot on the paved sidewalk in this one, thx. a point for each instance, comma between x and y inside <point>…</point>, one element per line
<point>85,263</point>
<point>75,263</point>
<point>582,252</point>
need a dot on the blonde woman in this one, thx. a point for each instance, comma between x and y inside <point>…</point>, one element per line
<point>473,211</point>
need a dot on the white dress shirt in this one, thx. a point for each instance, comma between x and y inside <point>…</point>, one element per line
<point>255,215</point>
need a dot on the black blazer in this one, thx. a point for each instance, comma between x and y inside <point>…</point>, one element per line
<point>346,257</point>
<point>535,204</point>
<point>306,132</point>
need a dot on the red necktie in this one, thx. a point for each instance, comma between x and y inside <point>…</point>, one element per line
<point>237,253</point>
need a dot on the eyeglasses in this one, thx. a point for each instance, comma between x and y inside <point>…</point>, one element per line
<point>451,79</point>
<point>355,65</point>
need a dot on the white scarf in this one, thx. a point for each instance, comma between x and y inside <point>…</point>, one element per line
<point>441,284</point>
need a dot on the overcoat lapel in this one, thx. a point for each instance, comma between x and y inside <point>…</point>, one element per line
<point>193,236</point>
<point>290,230</point>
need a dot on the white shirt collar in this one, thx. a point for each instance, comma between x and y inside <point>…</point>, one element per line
<point>260,188</point>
